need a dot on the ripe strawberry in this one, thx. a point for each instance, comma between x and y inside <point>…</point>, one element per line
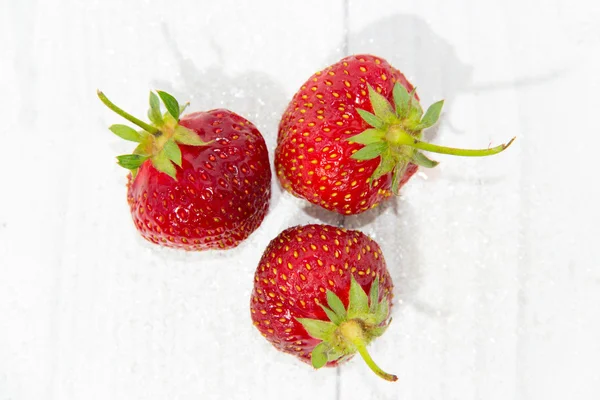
<point>343,146</point>
<point>200,182</point>
<point>306,267</point>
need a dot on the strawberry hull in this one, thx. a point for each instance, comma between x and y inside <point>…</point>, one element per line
<point>222,190</point>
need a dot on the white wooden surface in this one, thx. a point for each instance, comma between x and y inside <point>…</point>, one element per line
<point>496,262</point>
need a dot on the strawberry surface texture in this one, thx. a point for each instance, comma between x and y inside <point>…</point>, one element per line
<point>313,156</point>
<point>197,182</point>
<point>310,294</point>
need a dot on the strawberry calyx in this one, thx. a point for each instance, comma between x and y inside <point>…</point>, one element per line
<point>396,135</point>
<point>159,140</point>
<point>349,330</point>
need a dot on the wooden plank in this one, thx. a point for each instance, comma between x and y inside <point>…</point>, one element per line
<point>106,315</point>
<point>495,261</point>
<point>451,252</point>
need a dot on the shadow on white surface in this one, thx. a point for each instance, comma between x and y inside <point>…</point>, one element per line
<point>431,63</point>
<point>428,61</point>
<point>254,94</point>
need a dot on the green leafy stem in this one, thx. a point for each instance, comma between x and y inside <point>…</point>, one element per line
<point>158,141</point>
<point>396,131</point>
<point>350,330</point>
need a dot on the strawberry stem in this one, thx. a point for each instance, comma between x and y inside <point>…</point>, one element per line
<point>148,128</point>
<point>434,148</point>
<point>353,332</point>
<point>401,137</point>
<point>362,350</point>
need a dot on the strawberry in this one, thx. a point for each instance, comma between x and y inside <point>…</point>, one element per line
<point>343,146</point>
<point>309,296</point>
<point>196,183</point>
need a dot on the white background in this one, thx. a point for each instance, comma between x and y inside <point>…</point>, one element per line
<point>496,261</point>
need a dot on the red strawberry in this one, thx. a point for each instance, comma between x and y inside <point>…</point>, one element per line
<point>343,146</point>
<point>309,296</point>
<point>199,182</point>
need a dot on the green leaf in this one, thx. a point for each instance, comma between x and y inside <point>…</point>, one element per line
<point>396,182</point>
<point>381,106</point>
<point>374,295</point>
<point>359,302</point>
<point>163,164</point>
<point>370,119</point>
<point>415,111</point>
<point>432,115</point>
<point>173,152</point>
<point>386,166</point>
<point>131,161</point>
<point>318,357</point>
<point>336,304</point>
<point>422,160</point>
<point>397,176</point>
<point>370,151</point>
<point>183,107</point>
<point>168,119</point>
<point>170,103</point>
<point>380,330</point>
<point>125,132</point>
<point>145,146</point>
<point>333,317</point>
<point>382,311</point>
<point>317,328</point>
<point>401,99</point>
<point>368,136</point>
<point>335,353</point>
<point>154,112</point>
<point>186,136</point>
